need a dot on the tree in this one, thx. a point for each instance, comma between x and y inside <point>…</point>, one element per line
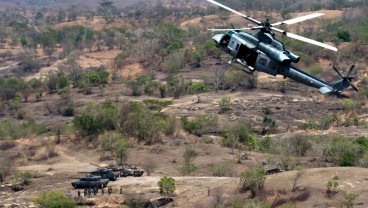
<point>121,151</point>
<point>149,167</point>
<point>107,9</point>
<point>167,186</point>
<point>54,199</point>
<point>75,72</point>
<point>39,17</point>
<point>253,179</point>
<point>86,124</point>
<point>188,167</point>
<point>72,15</point>
<point>107,144</point>
<point>241,136</point>
<point>52,82</point>
<point>61,16</point>
<point>6,166</point>
<point>300,145</point>
<point>48,40</point>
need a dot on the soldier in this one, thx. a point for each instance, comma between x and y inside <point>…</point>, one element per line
<point>89,191</point>
<point>85,192</point>
<point>78,193</point>
<point>109,190</point>
<point>121,189</point>
<point>208,191</point>
<point>102,190</point>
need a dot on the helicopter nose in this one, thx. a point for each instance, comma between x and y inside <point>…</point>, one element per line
<point>217,38</point>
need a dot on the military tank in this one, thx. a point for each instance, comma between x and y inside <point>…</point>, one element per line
<point>90,181</point>
<point>131,170</point>
<point>274,167</point>
<point>123,170</point>
<point>106,173</point>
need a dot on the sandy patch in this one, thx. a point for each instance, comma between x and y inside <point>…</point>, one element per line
<point>132,70</point>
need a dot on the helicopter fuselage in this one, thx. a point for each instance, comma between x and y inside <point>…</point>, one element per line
<point>261,51</point>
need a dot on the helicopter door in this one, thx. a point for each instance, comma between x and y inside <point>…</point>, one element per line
<point>265,64</point>
<point>233,47</point>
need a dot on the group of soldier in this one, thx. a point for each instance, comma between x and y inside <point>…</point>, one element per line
<point>89,191</point>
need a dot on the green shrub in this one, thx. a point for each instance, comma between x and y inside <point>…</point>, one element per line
<point>157,105</point>
<point>135,86</point>
<point>202,124</point>
<point>343,35</point>
<point>54,199</point>
<point>270,125</point>
<point>11,130</point>
<point>167,186</point>
<point>21,114</point>
<point>97,118</point>
<point>266,110</point>
<point>22,177</point>
<point>68,111</point>
<point>265,144</point>
<point>314,69</point>
<point>349,199</point>
<point>188,167</point>
<point>224,104</point>
<point>138,121</point>
<point>221,169</point>
<point>170,127</point>
<point>283,86</point>
<point>198,87</point>
<point>344,152</point>
<point>351,106</point>
<point>309,125</point>
<point>253,180</point>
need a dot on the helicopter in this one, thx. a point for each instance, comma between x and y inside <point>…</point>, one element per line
<point>261,51</point>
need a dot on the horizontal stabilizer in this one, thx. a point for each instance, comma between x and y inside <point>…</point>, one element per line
<point>325,90</point>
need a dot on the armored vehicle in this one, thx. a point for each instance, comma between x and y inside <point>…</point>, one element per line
<point>106,174</point>
<point>90,181</point>
<point>131,170</point>
<point>275,167</point>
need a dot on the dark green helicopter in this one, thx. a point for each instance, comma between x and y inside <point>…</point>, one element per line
<point>263,52</point>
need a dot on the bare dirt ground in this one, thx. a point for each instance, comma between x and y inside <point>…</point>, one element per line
<point>60,171</point>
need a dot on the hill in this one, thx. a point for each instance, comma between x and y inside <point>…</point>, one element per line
<point>145,84</point>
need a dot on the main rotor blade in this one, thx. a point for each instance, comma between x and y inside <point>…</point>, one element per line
<point>298,19</point>
<point>234,11</point>
<point>337,71</point>
<point>244,28</point>
<point>307,40</point>
<point>356,89</point>
<point>350,70</point>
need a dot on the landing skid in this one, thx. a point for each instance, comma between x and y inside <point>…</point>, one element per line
<point>247,69</point>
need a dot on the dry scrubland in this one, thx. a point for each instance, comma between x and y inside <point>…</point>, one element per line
<point>82,85</point>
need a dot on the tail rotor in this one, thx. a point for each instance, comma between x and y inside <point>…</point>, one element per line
<point>346,80</point>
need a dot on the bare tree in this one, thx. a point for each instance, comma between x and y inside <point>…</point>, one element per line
<point>6,166</point>
<point>149,167</point>
<point>298,175</point>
